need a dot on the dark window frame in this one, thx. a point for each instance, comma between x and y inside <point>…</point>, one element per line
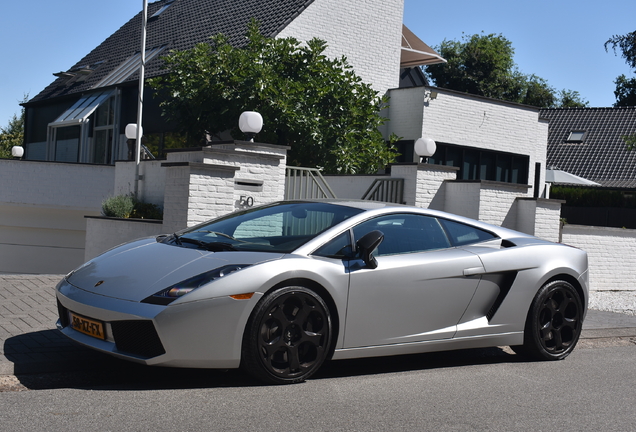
<point>490,164</point>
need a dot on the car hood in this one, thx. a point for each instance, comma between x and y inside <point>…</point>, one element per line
<point>139,269</point>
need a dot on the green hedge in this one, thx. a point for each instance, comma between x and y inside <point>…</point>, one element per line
<point>592,197</point>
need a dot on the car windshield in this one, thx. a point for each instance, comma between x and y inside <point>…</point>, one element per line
<point>278,228</point>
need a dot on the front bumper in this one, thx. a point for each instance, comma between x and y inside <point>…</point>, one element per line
<point>203,334</point>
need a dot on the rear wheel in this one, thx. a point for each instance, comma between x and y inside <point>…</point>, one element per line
<point>288,336</point>
<point>554,322</point>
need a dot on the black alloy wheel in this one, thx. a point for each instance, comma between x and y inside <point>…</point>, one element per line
<point>554,323</point>
<point>288,336</point>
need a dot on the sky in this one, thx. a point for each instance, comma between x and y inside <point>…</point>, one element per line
<point>560,41</point>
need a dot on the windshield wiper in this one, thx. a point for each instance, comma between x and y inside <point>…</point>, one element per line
<point>209,246</point>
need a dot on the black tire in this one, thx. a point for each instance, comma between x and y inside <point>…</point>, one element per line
<point>288,336</point>
<point>554,322</point>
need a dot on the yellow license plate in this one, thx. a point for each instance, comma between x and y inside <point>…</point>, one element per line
<point>88,326</point>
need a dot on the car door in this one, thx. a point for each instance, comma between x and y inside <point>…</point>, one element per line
<point>419,290</point>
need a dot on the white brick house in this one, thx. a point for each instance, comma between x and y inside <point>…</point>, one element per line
<point>468,122</point>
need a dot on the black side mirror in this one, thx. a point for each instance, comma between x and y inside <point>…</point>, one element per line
<point>367,244</point>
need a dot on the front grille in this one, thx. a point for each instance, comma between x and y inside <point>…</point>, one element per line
<point>63,313</point>
<point>137,337</point>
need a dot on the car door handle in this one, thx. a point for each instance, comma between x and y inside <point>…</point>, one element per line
<point>474,271</point>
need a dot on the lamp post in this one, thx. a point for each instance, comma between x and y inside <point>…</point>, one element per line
<point>425,148</point>
<point>250,123</point>
<point>17,152</point>
<point>142,69</point>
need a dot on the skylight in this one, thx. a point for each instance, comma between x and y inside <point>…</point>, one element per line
<point>128,67</point>
<point>161,10</point>
<point>576,136</point>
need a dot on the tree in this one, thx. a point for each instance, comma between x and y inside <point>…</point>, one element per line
<point>625,87</point>
<point>571,99</point>
<point>483,65</point>
<point>314,104</point>
<point>12,135</point>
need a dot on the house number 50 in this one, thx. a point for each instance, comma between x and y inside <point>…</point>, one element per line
<point>246,201</point>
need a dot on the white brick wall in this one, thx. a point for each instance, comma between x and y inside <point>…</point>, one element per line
<point>497,203</point>
<point>548,217</point>
<point>220,179</point>
<point>611,254</point>
<point>263,167</point>
<point>210,194</point>
<point>367,32</point>
<point>57,185</point>
<point>424,185</point>
<point>539,217</point>
<point>462,199</point>
<point>176,199</point>
<point>431,185</point>
<point>151,188</point>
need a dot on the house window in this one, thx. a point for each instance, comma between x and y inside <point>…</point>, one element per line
<point>86,131</point>
<point>67,144</point>
<point>101,147</point>
<point>477,164</point>
<point>576,137</point>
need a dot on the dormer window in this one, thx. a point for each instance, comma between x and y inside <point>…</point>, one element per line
<point>576,136</point>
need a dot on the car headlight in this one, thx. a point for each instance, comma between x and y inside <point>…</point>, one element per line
<point>170,294</point>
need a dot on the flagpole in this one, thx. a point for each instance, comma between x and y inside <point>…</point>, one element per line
<point>142,69</point>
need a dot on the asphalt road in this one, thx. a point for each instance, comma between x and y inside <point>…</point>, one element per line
<point>473,390</point>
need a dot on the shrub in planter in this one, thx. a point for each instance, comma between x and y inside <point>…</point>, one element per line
<point>126,206</point>
<point>120,206</point>
<point>144,210</point>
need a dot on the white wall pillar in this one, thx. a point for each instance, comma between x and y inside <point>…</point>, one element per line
<point>424,184</point>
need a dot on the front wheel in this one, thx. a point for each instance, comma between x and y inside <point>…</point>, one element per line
<point>554,322</point>
<point>287,337</point>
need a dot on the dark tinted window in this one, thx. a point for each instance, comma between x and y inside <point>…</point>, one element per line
<point>462,234</point>
<point>339,247</point>
<point>405,233</point>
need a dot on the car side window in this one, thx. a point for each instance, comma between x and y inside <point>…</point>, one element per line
<point>462,234</point>
<point>339,247</point>
<point>405,233</point>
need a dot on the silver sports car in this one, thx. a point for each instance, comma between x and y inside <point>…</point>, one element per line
<point>281,288</point>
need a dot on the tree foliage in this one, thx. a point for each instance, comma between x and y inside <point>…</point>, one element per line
<point>627,45</point>
<point>484,65</point>
<point>314,104</point>
<point>12,135</point>
<point>625,87</point>
<point>625,91</point>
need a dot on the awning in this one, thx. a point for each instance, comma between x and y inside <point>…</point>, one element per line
<point>557,176</point>
<point>415,52</point>
<point>82,109</point>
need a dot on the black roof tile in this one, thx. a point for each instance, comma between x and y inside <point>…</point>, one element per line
<point>602,156</point>
<point>181,26</point>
